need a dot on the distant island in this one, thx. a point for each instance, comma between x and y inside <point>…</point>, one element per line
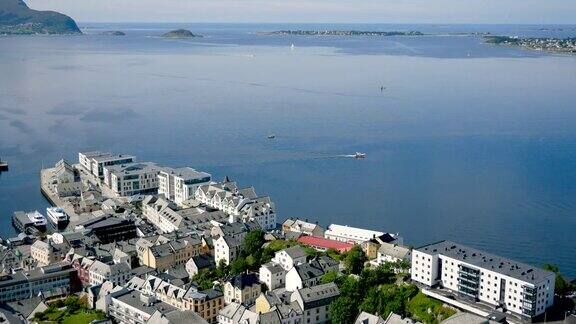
<point>344,33</point>
<point>113,33</point>
<point>180,33</point>
<point>555,45</point>
<point>16,18</point>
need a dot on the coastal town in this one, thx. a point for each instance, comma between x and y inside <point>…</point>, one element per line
<point>554,45</point>
<point>135,242</point>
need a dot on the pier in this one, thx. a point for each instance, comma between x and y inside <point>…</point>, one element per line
<point>53,198</point>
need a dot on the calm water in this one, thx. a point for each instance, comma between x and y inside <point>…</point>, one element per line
<point>469,142</point>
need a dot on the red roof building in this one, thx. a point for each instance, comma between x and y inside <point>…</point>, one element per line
<point>324,244</point>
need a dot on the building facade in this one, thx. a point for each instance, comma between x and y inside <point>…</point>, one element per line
<point>475,275</point>
<point>132,178</point>
<point>180,184</point>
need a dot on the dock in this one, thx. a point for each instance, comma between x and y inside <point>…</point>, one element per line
<point>55,200</point>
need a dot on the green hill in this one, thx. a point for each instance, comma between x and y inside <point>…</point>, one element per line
<point>16,18</point>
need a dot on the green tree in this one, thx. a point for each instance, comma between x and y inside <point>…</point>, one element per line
<point>238,266</point>
<point>562,286</point>
<point>253,242</point>
<point>343,310</point>
<point>329,277</point>
<point>354,260</point>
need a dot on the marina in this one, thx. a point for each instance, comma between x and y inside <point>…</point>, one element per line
<point>30,222</point>
<point>57,217</point>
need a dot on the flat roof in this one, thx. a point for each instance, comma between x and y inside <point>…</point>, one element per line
<point>186,173</point>
<point>325,243</point>
<point>481,259</point>
<point>112,157</point>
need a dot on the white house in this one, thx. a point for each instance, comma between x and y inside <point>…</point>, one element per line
<point>118,273</point>
<point>392,253</point>
<point>350,234</point>
<point>472,274</point>
<point>272,275</point>
<point>290,257</point>
<point>226,249</point>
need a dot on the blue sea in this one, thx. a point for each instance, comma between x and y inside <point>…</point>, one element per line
<point>469,142</point>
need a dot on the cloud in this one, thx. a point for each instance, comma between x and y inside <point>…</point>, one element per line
<point>22,127</point>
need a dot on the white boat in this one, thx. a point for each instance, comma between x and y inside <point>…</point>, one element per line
<point>37,219</point>
<point>272,136</point>
<point>359,155</point>
<point>57,215</point>
<point>292,46</point>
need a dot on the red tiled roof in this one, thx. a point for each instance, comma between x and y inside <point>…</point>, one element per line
<point>324,243</point>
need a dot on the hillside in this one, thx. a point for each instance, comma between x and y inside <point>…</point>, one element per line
<point>16,18</point>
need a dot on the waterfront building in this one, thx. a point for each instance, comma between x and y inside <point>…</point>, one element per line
<point>94,162</point>
<point>324,244</point>
<point>65,180</point>
<point>315,302</point>
<point>241,204</point>
<point>180,184</point>
<point>132,178</point>
<point>243,288</point>
<point>474,275</point>
<point>371,246</point>
<point>302,227</point>
<point>392,253</point>
<point>353,235</point>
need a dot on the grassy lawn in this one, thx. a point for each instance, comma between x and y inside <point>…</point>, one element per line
<point>82,317</point>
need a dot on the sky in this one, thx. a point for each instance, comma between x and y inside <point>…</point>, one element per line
<point>320,11</point>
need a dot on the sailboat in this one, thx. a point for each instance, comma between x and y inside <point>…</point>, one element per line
<point>292,46</point>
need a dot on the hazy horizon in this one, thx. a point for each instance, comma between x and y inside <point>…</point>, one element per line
<point>557,12</point>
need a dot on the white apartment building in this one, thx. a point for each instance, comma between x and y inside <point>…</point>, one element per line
<point>95,161</point>
<point>240,203</point>
<point>117,273</point>
<point>272,275</point>
<point>226,249</point>
<point>350,234</point>
<point>132,179</point>
<point>180,184</point>
<point>290,257</point>
<point>520,289</point>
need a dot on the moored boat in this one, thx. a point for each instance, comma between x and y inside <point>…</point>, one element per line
<point>57,216</point>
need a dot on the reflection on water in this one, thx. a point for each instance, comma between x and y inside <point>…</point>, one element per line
<point>468,142</point>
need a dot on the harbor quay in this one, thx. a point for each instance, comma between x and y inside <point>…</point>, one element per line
<point>145,243</point>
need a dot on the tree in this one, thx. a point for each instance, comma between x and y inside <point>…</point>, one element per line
<point>253,242</point>
<point>329,277</point>
<point>561,287</point>
<point>343,310</point>
<point>354,260</point>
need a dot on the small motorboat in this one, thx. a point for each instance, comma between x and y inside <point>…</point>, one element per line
<point>3,165</point>
<point>359,155</point>
<point>272,136</point>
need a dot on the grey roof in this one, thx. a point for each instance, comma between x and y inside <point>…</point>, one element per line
<point>244,280</point>
<point>132,298</point>
<point>24,306</point>
<point>319,295</point>
<point>367,318</point>
<point>307,271</point>
<point>481,259</point>
<point>467,318</point>
<point>296,252</point>
<point>396,251</point>
<point>273,267</point>
<point>186,173</point>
